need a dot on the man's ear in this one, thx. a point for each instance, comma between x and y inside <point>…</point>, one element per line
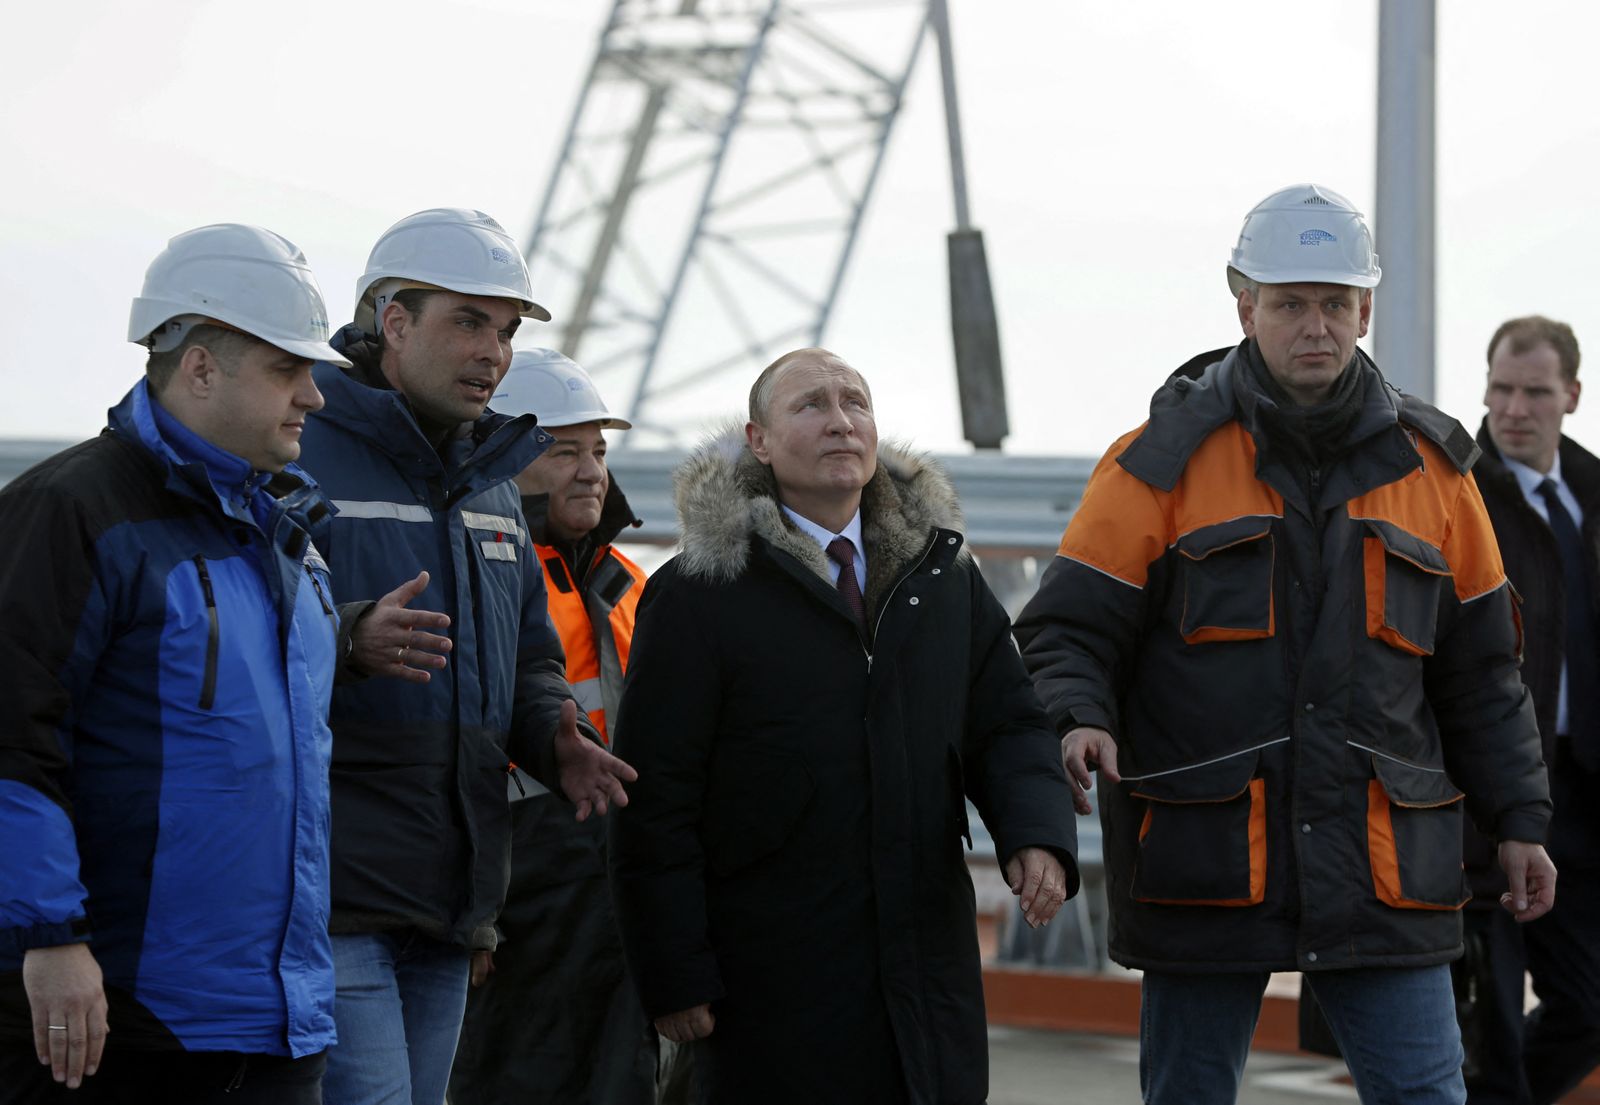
<point>1574,391</point>
<point>756,437</point>
<point>1247,313</point>
<point>395,323</point>
<point>1366,311</point>
<point>197,372</point>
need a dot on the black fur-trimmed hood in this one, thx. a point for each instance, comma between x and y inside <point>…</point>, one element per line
<point>726,497</point>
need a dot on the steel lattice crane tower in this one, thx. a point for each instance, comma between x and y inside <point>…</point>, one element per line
<point>710,190</point>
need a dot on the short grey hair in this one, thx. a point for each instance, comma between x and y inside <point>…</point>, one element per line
<point>761,390</point>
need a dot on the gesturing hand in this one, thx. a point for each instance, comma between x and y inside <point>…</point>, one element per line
<point>591,777</point>
<point>392,640</point>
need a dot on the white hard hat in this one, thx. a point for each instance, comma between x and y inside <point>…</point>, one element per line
<point>454,248</point>
<point>242,276</point>
<point>547,384</point>
<point>1305,234</point>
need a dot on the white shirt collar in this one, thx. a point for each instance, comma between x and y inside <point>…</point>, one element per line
<point>822,536</point>
<point>1528,478</point>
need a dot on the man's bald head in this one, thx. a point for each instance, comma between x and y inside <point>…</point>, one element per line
<point>761,390</point>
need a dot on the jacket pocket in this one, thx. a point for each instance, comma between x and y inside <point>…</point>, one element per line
<point>1403,574</point>
<point>753,806</point>
<point>1414,836</point>
<point>1227,581</point>
<point>1203,840</point>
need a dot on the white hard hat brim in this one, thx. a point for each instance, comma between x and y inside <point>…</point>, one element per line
<point>1238,280</point>
<point>607,420</point>
<point>366,317</point>
<point>312,351</point>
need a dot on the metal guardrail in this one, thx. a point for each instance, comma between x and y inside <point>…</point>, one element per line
<point>1016,506</point>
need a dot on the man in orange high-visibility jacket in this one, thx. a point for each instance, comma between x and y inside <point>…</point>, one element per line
<point>553,1019</point>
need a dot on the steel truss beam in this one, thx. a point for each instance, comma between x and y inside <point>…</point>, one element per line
<point>758,125</point>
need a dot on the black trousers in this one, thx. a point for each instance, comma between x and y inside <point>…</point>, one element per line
<point>167,1078</point>
<point>1537,1058</point>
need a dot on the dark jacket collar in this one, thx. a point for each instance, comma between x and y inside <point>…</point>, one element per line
<point>615,516</point>
<point>1580,469</point>
<point>1195,402</point>
<point>493,448</point>
<point>288,507</point>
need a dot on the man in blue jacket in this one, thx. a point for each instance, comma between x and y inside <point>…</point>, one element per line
<point>419,471</point>
<point>168,634</point>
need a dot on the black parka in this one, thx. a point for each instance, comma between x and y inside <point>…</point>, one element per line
<point>1302,675</point>
<point>793,849</point>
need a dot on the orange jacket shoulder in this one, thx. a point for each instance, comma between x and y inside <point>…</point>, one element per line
<point>1444,508</point>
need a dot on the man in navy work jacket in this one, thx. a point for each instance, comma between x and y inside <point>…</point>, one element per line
<point>420,474</point>
<point>168,635</point>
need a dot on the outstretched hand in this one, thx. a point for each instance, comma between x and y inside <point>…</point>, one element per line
<point>393,640</point>
<point>590,777</point>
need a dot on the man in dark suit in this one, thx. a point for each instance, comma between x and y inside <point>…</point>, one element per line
<point>1543,495</point>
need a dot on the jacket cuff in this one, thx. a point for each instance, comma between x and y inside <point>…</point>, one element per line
<point>693,982</point>
<point>1528,825</point>
<point>1086,715</point>
<point>15,942</point>
<point>349,614</point>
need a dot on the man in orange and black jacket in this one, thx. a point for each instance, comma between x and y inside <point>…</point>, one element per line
<point>1279,624</point>
<point>555,1020</point>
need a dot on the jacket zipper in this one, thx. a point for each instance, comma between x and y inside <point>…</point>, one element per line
<point>208,687</point>
<point>322,596</point>
<point>883,607</point>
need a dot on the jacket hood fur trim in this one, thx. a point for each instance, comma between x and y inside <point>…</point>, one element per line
<point>726,497</point>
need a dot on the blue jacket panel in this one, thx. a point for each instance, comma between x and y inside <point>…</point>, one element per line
<point>163,766</point>
<point>419,770</point>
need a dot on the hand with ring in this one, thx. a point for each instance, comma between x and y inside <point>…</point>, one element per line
<point>67,999</point>
<point>392,639</point>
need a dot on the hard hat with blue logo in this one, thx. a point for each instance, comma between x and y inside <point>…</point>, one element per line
<point>1304,234</point>
<point>454,248</point>
<point>550,385</point>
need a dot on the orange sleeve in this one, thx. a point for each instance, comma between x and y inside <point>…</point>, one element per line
<point>1470,546</point>
<point>1121,525</point>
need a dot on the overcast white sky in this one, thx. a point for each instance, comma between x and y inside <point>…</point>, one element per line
<point>1112,151</point>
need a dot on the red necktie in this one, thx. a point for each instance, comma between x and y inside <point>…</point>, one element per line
<point>844,555</point>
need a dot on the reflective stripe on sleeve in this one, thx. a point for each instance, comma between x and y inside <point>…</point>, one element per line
<point>399,512</point>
